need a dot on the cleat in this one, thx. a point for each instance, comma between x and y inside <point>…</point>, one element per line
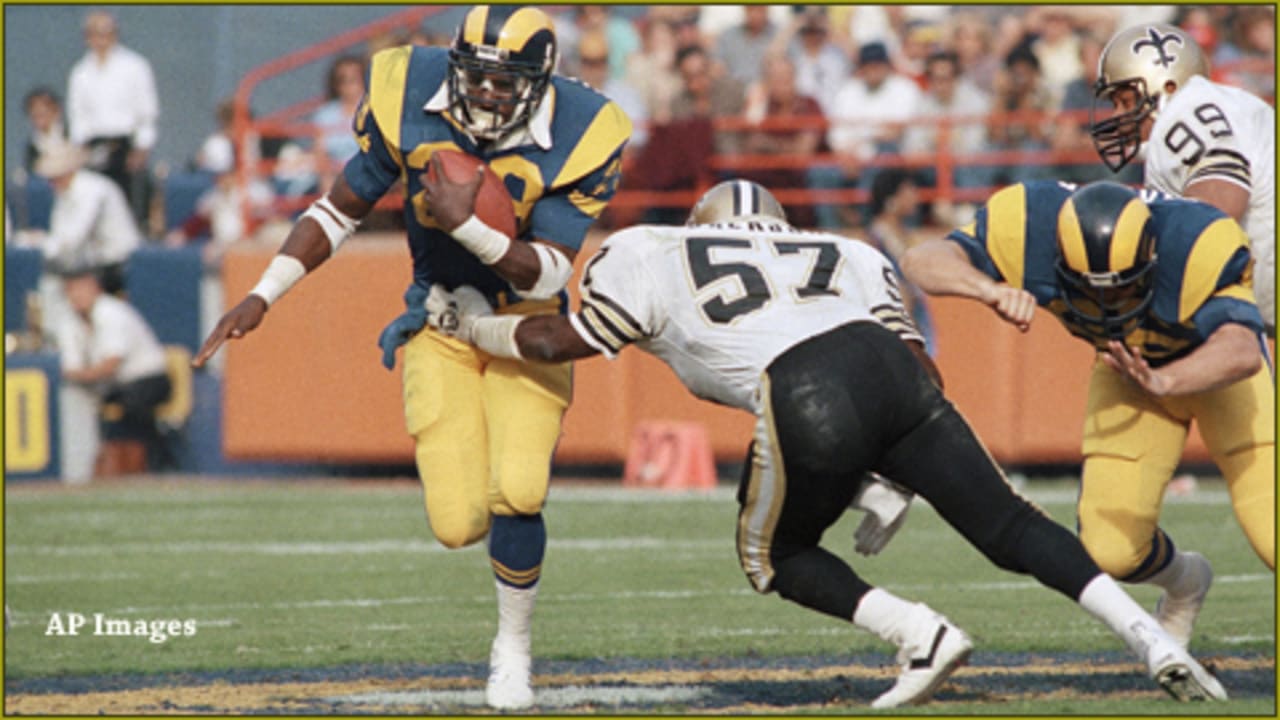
<point>1177,611</point>
<point>1178,673</point>
<point>928,657</point>
<point>508,687</point>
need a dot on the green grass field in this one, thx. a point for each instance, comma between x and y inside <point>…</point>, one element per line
<point>302,576</point>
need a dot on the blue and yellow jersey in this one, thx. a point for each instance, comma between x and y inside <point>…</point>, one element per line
<point>1203,275</point>
<point>560,179</point>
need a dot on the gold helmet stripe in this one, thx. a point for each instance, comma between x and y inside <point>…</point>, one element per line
<point>474,24</point>
<point>521,26</point>
<point>1070,239</point>
<point>1127,237</point>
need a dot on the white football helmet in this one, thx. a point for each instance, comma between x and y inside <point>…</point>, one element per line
<point>1144,58</point>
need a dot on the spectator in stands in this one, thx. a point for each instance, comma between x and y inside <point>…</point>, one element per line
<point>742,46</point>
<point>90,224</point>
<point>1247,59</point>
<point>819,62</point>
<point>1022,124</point>
<point>1057,49</point>
<point>112,109</point>
<point>868,119</point>
<point>895,205</point>
<point>107,348</point>
<point>652,70</point>
<point>707,93</point>
<point>593,67</point>
<point>952,102</point>
<point>970,39</point>
<point>217,152</point>
<point>44,113</point>
<point>335,142</point>
<point>787,124</point>
<point>921,38</point>
<point>619,33</point>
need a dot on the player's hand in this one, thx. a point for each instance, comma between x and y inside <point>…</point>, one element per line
<point>1014,305</point>
<point>886,507</point>
<point>1130,363</point>
<point>454,313</point>
<point>241,319</point>
<point>449,202</point>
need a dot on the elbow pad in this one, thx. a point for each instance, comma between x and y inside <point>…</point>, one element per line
<point>554,271</point>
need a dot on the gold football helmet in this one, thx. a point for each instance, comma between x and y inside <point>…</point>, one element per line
<point>500,66</point>
<point>1106,258</point>
<point>736,200</point>
<point>1152,61</point>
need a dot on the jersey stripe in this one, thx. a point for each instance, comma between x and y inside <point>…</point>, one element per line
<point>591,333</point>
<point>620,313</point>
<point>1209,255</point>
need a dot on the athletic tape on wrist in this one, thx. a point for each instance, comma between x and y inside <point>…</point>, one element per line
<point>554,272</point>
<point>496,335</point>
<point>337,225</point>
<point>484,242</point>
<point>283,272</point>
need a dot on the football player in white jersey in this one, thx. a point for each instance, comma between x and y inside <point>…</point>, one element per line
<point>808,331</point>
<point>1200,139</point>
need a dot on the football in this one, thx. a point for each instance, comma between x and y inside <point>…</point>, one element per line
<point>493,202</point>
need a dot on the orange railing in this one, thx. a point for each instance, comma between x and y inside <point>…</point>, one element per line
<point>944,162</point>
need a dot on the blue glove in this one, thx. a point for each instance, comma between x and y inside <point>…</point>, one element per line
<point>404,327</point>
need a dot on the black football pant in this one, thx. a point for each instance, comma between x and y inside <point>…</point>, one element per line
<point>856,399</point>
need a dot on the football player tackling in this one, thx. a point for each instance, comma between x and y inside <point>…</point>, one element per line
<point>808,332</point>
<point>1201,139</point>
<point>484,428</point>
<point>1161,290</point>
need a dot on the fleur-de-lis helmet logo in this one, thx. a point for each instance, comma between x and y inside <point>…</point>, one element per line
<point>1157,42</point>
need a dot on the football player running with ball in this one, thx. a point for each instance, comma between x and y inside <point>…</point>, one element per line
<point>1201,139</point>
<point>1160,289</point>
<point>484,428</point>
<point>808,331</point>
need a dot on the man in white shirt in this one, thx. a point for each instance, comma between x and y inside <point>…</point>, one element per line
<point>90,224</point>
<point>808,332</point>
<point>112,108</point>
<point>108,349</point>
<point>868,117</point>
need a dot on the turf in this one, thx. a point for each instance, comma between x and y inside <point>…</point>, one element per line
<point>322,575</point>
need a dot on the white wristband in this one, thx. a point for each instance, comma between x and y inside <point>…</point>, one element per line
<point>336,225</point>
<point>484,242</point>
<point>554,271</point>
<point>496,335</point>
<point>283,272</point>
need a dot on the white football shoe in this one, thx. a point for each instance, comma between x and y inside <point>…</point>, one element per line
<point>1177,609</point>
<point>509,687</point>
<point>931,650</point>
<point>1170,665</point>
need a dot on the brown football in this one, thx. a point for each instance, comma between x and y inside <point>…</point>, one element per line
<point>493,202</point>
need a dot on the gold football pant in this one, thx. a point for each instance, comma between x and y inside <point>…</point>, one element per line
<point>1132,445</point>
<point>485,429</point>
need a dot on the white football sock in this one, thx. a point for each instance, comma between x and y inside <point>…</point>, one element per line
<point>885,614</point>
<point>515,613</point>
<point>1172,575</point>
<point>1104,599</point>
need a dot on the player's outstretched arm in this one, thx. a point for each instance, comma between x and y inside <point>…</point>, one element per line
<point>940,267</point>
<point>1231,354</point>
<point>311,241</point>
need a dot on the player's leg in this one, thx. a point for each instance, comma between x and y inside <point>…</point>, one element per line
<point>1238,426</point>
<point>811,446</point>
<point>943,461</point>
<point>1132,445</point>
<point>524,404</point>
<point>444,414</point>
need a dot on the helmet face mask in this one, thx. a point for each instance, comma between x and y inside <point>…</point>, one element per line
<point>500,67</point>
<point>1138,70</point>
<point>1106,259</point>
<point>736,200</point>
